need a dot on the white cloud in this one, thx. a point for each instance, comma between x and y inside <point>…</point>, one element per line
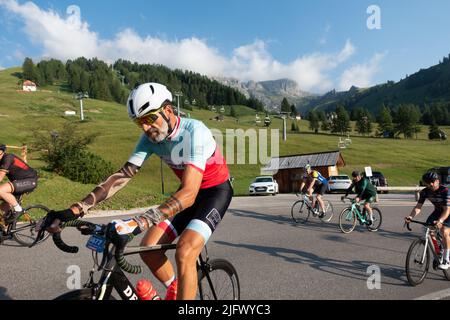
<point>361,75</point>
<point>70,37</point>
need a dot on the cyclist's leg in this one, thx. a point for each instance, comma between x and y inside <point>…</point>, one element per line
<point>320,192</point>
<point>368,201</point>
<point>157,261</point>
<point>212,205</point>
<point>6,194</point>
<point>313,199</point>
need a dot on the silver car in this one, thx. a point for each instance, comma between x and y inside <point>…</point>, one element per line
<point>339,183</point>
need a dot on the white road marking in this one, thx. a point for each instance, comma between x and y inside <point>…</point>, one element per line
<point>438,295</point>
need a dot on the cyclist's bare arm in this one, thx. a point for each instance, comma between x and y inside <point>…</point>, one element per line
<point>311,184</point>
<point>416,210</point>
<point>186,194</point>
<point>106,189</point>
<point>445,214</point>
<point>2,175</point>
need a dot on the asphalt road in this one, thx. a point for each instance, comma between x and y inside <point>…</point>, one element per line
<point>275,258</point>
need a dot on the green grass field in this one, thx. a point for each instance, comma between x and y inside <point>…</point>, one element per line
<point>402,161</point>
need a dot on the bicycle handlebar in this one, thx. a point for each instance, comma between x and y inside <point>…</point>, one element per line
<point>88,228</point>
<point>428,225</point>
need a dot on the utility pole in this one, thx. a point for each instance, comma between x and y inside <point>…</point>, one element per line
<point>80,96</point>
<point>162,178</point>
<point>284,115</point>
<point>178,94</point>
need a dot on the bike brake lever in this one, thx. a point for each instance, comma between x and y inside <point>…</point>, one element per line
<point>407,226</point>
<point>40,234</point>
<point>105,255</point>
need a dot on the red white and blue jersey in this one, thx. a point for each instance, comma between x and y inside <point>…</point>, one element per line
<point>190,144</point>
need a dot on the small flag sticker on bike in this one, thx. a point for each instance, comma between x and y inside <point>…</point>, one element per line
<point>96,243</point>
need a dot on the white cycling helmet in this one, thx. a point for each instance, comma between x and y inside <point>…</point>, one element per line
<point>146,98</point>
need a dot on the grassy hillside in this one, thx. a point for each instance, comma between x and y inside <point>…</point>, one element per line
<point>402,161</point>
<point>423,87</point>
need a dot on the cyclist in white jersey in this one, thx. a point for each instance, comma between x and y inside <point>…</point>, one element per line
<point>193,212</point>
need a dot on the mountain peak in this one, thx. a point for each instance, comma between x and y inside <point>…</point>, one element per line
<point>270,92</point>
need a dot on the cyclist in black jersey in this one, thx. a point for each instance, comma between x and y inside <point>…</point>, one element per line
<point>439,196</point>
<point>22,179</point>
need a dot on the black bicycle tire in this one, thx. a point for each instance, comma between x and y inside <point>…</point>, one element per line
<point>354,220</point>
<point>371,227</point>
<point>17,237</point>
<point>411,281</point>
<point>224,265</point>
<point>304,220</point>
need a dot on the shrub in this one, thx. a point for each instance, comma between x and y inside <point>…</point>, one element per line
<point>64,151</point>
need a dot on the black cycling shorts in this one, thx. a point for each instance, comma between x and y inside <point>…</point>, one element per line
<point>23,186</point>
<point>204,215</point>
<point>320,188</point>
<point>435,215</point>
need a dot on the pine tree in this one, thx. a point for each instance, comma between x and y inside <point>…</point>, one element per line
<point>363,121</point>
<point>313,121</point>
<point>233,112</point>
<point>285,106</point>
<point>385,124</point>
<point>341,122</point>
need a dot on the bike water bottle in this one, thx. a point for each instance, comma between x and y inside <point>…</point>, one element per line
<point>145,290</point>
<point>436,246</point>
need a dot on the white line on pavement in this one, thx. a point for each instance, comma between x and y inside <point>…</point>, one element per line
<point>435,295</point>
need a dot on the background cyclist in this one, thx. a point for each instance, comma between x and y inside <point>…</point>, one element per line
<point>315,183</point>
<point>193,212</point>
<point>439,196</point>
<point>22,179</point>
<point>365,190</point>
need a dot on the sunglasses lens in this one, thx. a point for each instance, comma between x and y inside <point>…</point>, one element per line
<point>147,119</point>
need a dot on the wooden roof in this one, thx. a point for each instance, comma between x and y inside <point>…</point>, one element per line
<point>321,159</point>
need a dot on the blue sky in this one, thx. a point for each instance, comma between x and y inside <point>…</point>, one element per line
<point>320,44</point>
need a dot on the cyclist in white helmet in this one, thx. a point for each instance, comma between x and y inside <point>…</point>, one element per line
<point>193,212</point>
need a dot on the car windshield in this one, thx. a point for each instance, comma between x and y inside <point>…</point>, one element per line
<point>340,178</point>
<point>263,180</point>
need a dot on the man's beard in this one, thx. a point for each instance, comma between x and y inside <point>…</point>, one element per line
<point>157,135</point>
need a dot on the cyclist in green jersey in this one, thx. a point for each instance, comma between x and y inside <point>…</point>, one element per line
<point>364,189</point>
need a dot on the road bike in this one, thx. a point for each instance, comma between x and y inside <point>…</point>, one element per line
<point>350,215</point>
<point>23,228</point>
<point>302,209</point>
<point>217,278</point>
<point>420,253</point>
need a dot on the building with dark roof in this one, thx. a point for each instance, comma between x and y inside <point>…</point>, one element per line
<point>288,170</point>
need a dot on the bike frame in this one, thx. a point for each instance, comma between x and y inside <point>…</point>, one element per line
<point>355,209</point>
<point>429,243</point>
<point>113,277</point>
<point>308,202</point>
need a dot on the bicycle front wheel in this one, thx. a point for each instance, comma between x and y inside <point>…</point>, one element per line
<point>300,212</point>
<point>24,228</point>
<point>377,219</point>
<point>417,262</point>
<point>223,282</point>
<point>347,220</point>
<point>327,211</point>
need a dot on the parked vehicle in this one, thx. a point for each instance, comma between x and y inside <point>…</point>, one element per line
<point>339,183</point>
<point>263,185</point>
<point>379,180</point>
